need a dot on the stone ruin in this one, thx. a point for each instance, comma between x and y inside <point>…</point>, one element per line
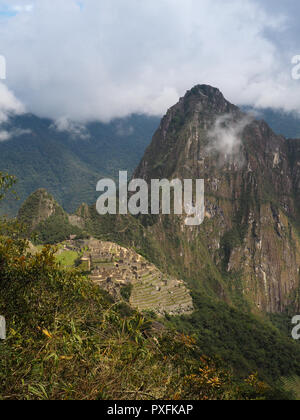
<point>112,267</point>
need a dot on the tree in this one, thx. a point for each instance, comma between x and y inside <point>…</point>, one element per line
<point>6,183</point>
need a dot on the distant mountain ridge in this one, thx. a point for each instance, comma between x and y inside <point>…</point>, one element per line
<point>283,123</point>
<point>69,163</point>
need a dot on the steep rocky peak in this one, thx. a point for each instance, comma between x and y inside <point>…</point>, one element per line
<point>83,211</point>
<point>252,185</point>
<point>204,128</point>
<point>38,207</point>
<point>210,97</point>
<point>203,100</point>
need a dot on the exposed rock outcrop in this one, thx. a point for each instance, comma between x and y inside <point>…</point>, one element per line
<point>252,183</point>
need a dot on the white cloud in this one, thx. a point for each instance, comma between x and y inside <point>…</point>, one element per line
<point>8,103</point>
<point>100,59</point>
<point>226,135</point>
<point>4,136</point>
<point>123,130</point>
<point>76,130</point>
<point>7,135</point>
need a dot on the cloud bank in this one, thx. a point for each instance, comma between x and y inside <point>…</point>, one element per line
<point>103,59</point>
<point>8,105</point>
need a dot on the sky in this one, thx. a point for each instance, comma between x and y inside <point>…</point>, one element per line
<point>90,60</point>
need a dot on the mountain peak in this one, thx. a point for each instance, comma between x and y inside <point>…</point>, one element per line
<point>252,194</point>
<point>205,90</point>
<point>208,99</point>
<point>38,207</point>
<point>185,133</point>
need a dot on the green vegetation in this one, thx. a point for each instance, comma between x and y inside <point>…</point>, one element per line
<point>243,341</point>
<point>56,229</point>
<point>67,258</point>
<point>69,167</point>
<point>229,241</point>
<point>68,340</point>
<point>126,292</point>
<point>6,182</point>
<point>292,385</point>
<point>45,220</point>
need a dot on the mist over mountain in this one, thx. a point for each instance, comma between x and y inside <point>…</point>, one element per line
<point>69,159</point>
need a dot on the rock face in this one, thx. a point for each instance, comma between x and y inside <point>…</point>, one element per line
<point>247,251</point>
<point>248,247</point>
<point>78,218</point>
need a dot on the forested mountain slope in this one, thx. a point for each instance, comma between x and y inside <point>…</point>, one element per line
<point>69,163</point>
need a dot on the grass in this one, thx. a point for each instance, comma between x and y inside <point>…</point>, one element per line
<point>67,258</point>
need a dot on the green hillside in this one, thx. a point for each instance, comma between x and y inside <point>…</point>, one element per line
<point>67,339</point>
<point>225,331</point>
<point>69,167</point>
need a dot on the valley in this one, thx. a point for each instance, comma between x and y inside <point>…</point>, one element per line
<point>69,163</point>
